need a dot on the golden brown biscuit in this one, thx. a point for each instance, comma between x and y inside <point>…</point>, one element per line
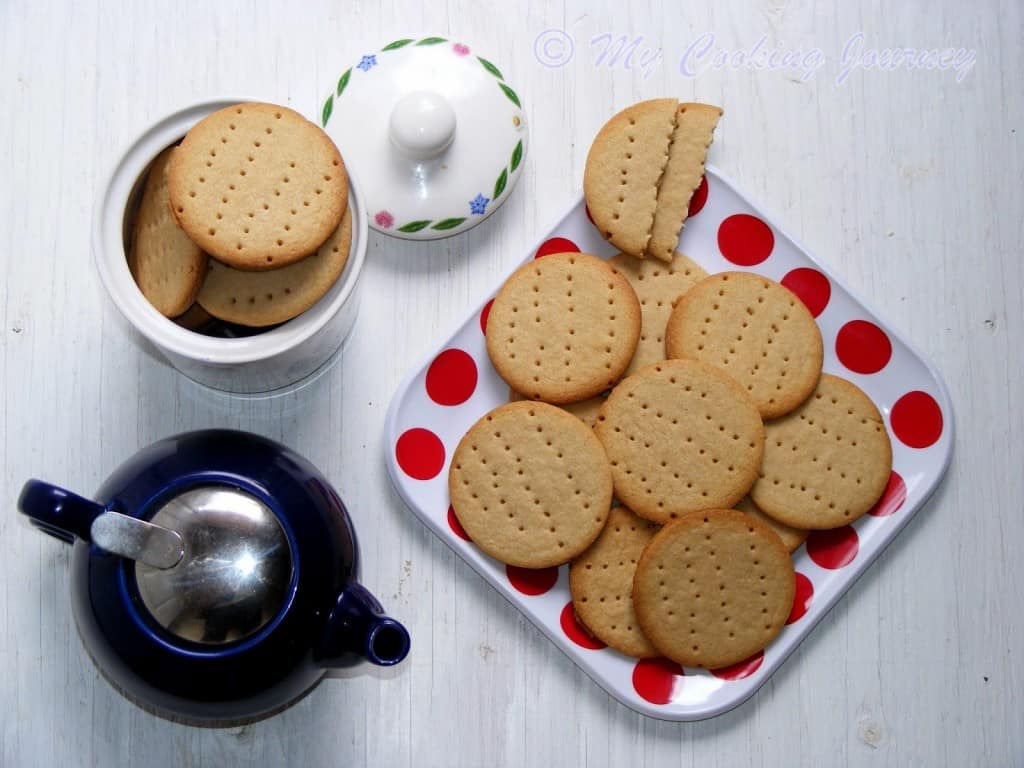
<point>658,286</point>
<point>259,299</point>
<point>601,583</point>
<point>755,330</point>
<point>624,167</point>
<point>713,588</point>
<point>563,328</point>
<point>681,436</point>
<point>584,410</point>
<point>258,186</point>
<point>167,266</point>
<point>695,125</point>
<point>791,538</point>
<point>826,463</point>
<point>531,485</point>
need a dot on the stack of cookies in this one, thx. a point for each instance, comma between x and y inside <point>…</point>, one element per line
<point>247,220</point>
<point>697,402</point>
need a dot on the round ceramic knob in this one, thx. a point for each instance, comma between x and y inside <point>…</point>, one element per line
<point>422,125</point>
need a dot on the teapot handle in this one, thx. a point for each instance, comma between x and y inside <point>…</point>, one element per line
<point>60,513</point>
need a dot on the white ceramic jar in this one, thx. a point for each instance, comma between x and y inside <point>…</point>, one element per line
<point>267,361</point>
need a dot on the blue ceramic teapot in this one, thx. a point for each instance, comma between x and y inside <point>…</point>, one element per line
<point>215,577</point>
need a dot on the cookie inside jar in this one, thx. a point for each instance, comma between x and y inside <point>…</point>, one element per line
<point>237,228</point>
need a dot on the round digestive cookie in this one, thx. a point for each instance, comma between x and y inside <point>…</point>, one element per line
<point>755,330</point>
<point>259,299</point>
<point>601,583</point>
<point>681,436</point>
<point>713,588</point>
<point>258,186</point>
<point>791,538</point>
<point>166,265</point>
<point>584,410</point>
<point>658,286</point>
<point>826,463</point>
<point>563,328</point>
<point>624,166</point>
<point>531,485</point>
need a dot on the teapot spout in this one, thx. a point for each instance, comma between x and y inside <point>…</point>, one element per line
<point>357,627</point>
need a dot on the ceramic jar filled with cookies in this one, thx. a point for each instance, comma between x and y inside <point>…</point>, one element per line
<point>243,239</point>
<point>673,437</point>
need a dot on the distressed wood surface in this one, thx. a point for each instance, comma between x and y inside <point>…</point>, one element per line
<point>909,183</point>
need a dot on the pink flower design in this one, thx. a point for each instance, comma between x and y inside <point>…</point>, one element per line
<point>384,219</point>
<point>460,49</point>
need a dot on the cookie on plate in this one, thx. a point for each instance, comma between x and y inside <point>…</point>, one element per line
<point>713,588</point>
<point>681,436</point>
<point>658,286</point>
<point>259,299</point>
<point>695,125</point>
<point>827,462</point>
<point>584,410</point>
<point>563,328</point>
<point>791,537</point>
<point>624,166</point>
<point>530,485</point>
<point>755,330</point>
<point>167,266</point>
<point>601,583</point>
<point>258,186</point>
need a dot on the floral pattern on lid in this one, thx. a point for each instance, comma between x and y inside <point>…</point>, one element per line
<point>425,197</point>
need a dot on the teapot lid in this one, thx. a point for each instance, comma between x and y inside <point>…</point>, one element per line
<point>234,576</point>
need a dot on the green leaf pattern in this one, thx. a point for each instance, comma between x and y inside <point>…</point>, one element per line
<point>415,226</point>
<point>343,81</point>
<point>448,223</point>
<point>517,156</point>
<point>511,95</point>
<point>490,67</point>
<point>499,185</point>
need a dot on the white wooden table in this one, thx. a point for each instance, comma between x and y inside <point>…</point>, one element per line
<point>909,183</point>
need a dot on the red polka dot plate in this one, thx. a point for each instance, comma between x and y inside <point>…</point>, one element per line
<point>457,384</point>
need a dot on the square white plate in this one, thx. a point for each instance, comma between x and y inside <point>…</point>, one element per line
<point>456,385</point>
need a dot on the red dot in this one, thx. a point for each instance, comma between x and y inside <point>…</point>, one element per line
<point>892,498</point>
<point>812,288</point>
<point>484,314</point>
<point>834,548</point>
<point>916,419</point>
<point>801,598</point>
<point>456,526</point>
<point>745,240</point>
<point>531,581</point>
<point>451,378</point>
<point>420,453</point>
<point>556,245</point>
<point>575,631</point>
<point>863,347</point>
<point>657,680</point>
<point>699,197</point>
<point>741,669</point>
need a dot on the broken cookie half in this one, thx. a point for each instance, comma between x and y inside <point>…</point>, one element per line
<point>643,168</point>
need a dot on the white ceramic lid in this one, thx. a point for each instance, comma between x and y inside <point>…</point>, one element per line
<point>433,131</point>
